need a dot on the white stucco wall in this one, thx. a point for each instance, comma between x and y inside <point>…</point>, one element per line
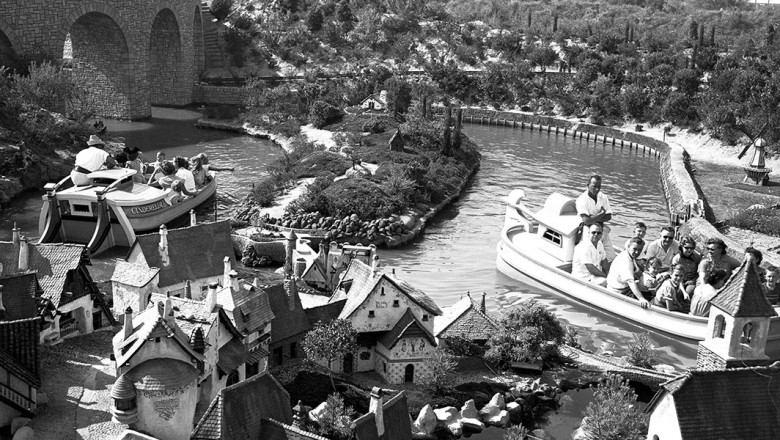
<point>167,415</point>
<point>400,356</point>
<point>663,421</point>
<point>385,315</point>
<point>129,296</point>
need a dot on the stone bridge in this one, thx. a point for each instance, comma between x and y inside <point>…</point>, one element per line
<point>129,55</point>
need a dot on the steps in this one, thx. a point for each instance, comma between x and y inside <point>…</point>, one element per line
<point>216,58</point>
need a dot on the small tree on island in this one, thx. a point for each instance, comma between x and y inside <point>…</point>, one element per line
<point>614,413</point>
<point>527,333</point>
<point>336,421</point>
<point>330,341</point>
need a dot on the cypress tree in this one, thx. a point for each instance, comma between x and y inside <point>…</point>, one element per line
<point>447,122</point>
<point>712,36</point>
<point>693,32</point>
<point>631,35</point>
<point>529,19</point>
<point>458,125</point>
<point>770,35</point>
<point>425,107</point>
<point>701,35</point>
<point>555,23</point>
<point>626,36</point>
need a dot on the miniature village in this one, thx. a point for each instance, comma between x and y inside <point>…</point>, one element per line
<point>195,346</point>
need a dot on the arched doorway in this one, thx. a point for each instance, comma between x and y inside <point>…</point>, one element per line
<point>198,45</point>
<point>165,61</point>
<point>101,64</point>
<point>7,53</point>
<point>346,367</point>
<point>409,373</point>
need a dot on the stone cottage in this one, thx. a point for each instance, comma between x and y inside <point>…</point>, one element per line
<point>193,254</point>
<point>465,319</point>
<point>375,102</point>
<point>394,321</point>
<point>322,269</point>
<point>66,282</point>
<point>19,369</point>
<point>131,285</point>
<point>731,393</point>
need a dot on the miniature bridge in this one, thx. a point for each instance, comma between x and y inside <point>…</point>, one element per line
<point>127,55</point>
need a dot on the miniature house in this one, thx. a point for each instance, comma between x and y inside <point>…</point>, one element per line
<point>19,369</point>
<point>465,319</point>
<point>375,102</point>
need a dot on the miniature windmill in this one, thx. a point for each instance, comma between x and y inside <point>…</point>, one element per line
<point>757,170</point>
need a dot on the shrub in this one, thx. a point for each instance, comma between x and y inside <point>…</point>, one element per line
<point>236,43</point>
<point>320,162</point>
<point>314,19</point>
<point>321,114</point>
<point>460,346</point>
<point>46,86</point>
<point>243,22</point>
<point>221,8</point>
<point>640,351</point>
<point>374,125</point>
<point>614,413</point>
<point>528,332</point>
<point>439,370</point>
<point>337,422</point>
<point>356,195</point>
<point>312,199</point>
<point>762,220</point>
<point>264,192</point>
<point>516,432</point>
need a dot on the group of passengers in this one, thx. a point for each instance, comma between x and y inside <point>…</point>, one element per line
<point>665,273</point>
<point>183,175</point>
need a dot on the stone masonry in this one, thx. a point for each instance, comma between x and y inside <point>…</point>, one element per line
<point>128,55</point>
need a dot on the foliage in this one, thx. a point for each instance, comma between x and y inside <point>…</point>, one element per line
<point>528,332</point>
<point>641,351</point>
<point>314,19</point>
<point>330,341</point>
<point>264,193</point>
<point>440,371</point>
<point>222,111</point>
<point>48,87</point>
<point>236,42</point>
<point>516,432</point>
<point>336,423</point>
<point>358,196</point>
<point>614,413</point>
<point>319,162</point>
<point>321,114</point>
<point>460,346</point>
<point>221,8</point>
<point>762,220</point>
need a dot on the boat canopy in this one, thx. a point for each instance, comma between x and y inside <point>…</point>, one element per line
<point>560,214</point>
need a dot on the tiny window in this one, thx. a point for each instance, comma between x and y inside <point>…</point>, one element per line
<point>382,292</point>
<point>720,327</point>
<point>365,355</point>
<point>157,339</point>
<point>747,333</point>
<point>80,208</point>
<point>293,350</point>
<point>425,317</point>
<point>396,303</point>
<point>552,236</point>
<point>384,365</point>
<point>371,314</point>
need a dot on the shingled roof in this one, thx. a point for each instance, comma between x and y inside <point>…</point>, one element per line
<point>132,274</point>
<point>742,295</point>
<point>19,349</point>
<point>286,323</point>
<point>52,262</point>
<point>250,307</point>
<point>18,295</point>
<point>396,421</point>
<point>194,252</point>
<point>191,314</point>
<point>407,326</point>
<point>238,410</point>
<point>363,281</point>
<point>736,403</point>
<point>464,319</point>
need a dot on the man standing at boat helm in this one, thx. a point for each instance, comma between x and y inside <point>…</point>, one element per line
<point>93,158</point>
<point>593,207</point>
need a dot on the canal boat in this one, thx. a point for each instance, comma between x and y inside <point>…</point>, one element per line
<point>112,209</point>
<point>540,245</point>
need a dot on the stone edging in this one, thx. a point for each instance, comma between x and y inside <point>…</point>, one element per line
<point>681,192</point>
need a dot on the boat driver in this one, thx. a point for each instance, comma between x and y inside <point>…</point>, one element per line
<point>93,158</point>
<point>590,261</point>
<point>593,206</point>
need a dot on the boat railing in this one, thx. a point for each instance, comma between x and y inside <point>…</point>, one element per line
<point>520,214</point>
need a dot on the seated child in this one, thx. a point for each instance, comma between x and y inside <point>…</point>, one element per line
<point>672,294</point>
<point>770,286</point>
<point>651,278</point>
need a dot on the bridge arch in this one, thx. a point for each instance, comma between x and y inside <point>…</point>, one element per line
<point>167,74</point>
<point>9,44</point>
<point>198,45</point>
<point>102,58</point>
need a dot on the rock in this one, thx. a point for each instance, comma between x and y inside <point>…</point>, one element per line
<point>472,424</point>
<point>540,434</point>
<point>665,368</point>
<point>317,413</point>
<point>500,419</point>
<point>469,410</point>
<point>24,433</point>
<point>18,422</point>
<point>498,401</point>
<point>493,408</point>
<point>450,418</point>
<point>426,421</point>
<point>513,407</point>
<point>578,434</point>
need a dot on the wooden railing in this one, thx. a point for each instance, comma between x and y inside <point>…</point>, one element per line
<point>17,398</point>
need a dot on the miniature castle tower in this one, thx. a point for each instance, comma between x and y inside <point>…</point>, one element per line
<point>739,323</point>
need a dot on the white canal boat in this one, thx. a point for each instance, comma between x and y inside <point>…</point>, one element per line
<point>540,245</point>
<point>112,210</point>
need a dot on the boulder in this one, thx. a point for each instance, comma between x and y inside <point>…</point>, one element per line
<point>514,407</point>
<point>18,422</point>
<point>500,419</point>
<point>493,408</point>
<point>426,421</point>
<point>541,434</point>
<point>317,413</point>
<point>472,424</point>
<point>24,433</point>
<point>450,418</point>
<point>469,410</point>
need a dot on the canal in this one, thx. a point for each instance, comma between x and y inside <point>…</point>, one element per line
<point>457,253</point>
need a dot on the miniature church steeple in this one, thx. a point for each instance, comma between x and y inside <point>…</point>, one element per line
<point>739,323</point>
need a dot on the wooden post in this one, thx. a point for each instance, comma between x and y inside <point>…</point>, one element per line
<point>447,122</point>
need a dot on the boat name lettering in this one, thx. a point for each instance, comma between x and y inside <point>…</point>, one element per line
<point>148,208</point>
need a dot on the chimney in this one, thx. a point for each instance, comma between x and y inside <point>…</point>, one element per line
<point>24,254</point>
<point>234,281</point>
<point>300,267</point>
<point>375,265</point>
<point>256,282</point>
<point>187,289</point>
<point>163,246</point>
<point>383,98</point>
<point>168,310</point>
<point>375,406</point>
<point>128,322</point>
<point>2,309</point>
<point>15,235</point>
<point>193,219</point>
<point>289,247</point>
<point>291,288</point>
<point>211,297</point>
<point>482,303</point>
<point>226,272</point>
<point>299,416</point>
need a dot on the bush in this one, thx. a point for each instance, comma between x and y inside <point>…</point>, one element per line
<point>337,422</point>
<point>460,346</point>
<point>264,192</point>
<point>374,125</point>
<point>221,8</point>
<point>763,220</point>
<point>314,19</point>
<point>614,413</point>
<point>243,22</point>
<point>321,114</point>
<point>46,86</point>
<point>640,351</point>
<point>320,162</point>
<point>358,196</point>
<point>439,370</point>
<point>236,43</point>
<point>529,332</point>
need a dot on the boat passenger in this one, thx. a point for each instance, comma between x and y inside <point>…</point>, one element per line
<point>770,285</point>
<point>688,258</point>
<point>757,257</point>
<point>183,171</point>
<point>652,277</point>
<point>134,163</point>
<point>672,294</point>
<point>593,206</point>
<point>198,171</point>
<point>664,248</point>
<point>703,294</point>
<point>717,258</point>
<point>121,160</point>
<point>154,167</point>
<point>640,229</point>
<point>589,261</point>
<point>209,167</point>
<point>625,271</point>
<point>171,180</point>
<point>93,158</point>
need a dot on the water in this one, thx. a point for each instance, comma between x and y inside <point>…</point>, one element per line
<point>457,253</point>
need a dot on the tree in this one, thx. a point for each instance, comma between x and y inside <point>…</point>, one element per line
<point>221,8</point>
<point>314,19</point>
<point>345,16</point>
<point>528,332</point>
<point>440,369</point>
<point>336,421</point>
<point>614,413</point>
<point>329,342</point>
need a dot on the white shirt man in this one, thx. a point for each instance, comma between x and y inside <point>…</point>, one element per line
<point>589,257</point>
<point>665,248</point>
<point>90,159</point>
<point>189,179</point>
<point>624,272</point>
<point>593,206</point>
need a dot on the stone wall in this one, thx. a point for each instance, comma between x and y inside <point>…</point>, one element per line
<point>205,94</point>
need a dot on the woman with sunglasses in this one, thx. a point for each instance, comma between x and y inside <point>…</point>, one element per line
<point>717,258</point>
<point>688,259</point>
